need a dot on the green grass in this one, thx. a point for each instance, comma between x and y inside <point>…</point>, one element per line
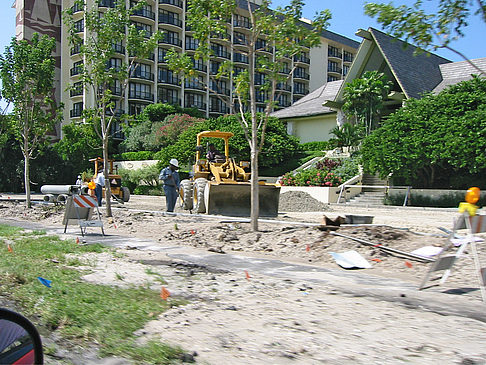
<point>80,311</point>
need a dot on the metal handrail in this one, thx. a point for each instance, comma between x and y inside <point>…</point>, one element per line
<point>386,187</point>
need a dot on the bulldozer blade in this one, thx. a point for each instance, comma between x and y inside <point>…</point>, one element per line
<point>235,199</point>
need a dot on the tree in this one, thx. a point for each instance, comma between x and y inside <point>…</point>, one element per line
<point>363,98</point>
<point>348,135</point>
<point>432,31</point>
<point>432,139</point>
<point>108,31</point>
<point>281,31</point>
<point>78,144</point>
<point>27,74</point>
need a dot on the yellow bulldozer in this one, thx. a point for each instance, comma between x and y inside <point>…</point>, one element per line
<point>118,192</point>
<point>222,186</point>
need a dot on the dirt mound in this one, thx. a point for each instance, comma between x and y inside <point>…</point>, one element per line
<point>299,201</point>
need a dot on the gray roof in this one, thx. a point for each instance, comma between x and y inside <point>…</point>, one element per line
<point>452,73</point>
<point>417,73</point>
<point>311,104</point>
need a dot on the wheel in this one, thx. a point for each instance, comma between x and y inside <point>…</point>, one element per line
<point>198,195</point>
<point>185,193</point>
<point>125,194</point>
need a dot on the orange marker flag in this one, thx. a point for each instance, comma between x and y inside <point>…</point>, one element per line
<point>408,264</point>
<point>307,248</point>
<point>164,293</point>
<point>9,248</point>
<point>193,231</point>
<point>77,240</point>
<point>377,260</point>
<point>247,275</point>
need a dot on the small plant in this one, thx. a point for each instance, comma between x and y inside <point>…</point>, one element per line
<point>311,177</point>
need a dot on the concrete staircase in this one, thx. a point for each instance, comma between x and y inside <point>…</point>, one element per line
<point>370,196</point>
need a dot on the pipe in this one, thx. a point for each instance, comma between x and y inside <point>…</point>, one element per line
<point>384,248</point>
<point>57,189</point>
<point>61,198</point>
<point>49,198</point>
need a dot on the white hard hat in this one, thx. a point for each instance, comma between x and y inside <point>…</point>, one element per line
<point>174,162</point>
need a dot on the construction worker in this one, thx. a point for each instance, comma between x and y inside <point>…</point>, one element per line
<point>170,177</point>
<point>100,183</point>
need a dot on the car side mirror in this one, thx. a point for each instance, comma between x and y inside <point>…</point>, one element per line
<point>20,342</point>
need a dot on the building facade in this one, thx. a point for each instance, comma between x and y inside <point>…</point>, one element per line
<point>153,82</point>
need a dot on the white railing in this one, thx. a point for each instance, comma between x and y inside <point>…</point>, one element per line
<point>352,182</point>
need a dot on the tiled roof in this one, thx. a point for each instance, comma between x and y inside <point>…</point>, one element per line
<point>416,74</point>
<point>452,73</point>
<point>311,104</point>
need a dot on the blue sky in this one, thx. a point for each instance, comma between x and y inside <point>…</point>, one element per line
<point>347,18</point>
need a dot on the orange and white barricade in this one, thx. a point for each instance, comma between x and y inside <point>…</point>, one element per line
<point>80,208</point>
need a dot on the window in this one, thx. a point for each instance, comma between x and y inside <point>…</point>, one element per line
<point>241,21</point>
<point>334,52</point>
<point>143,71</point>
<point>77,89</point>
<point>79,25</point>
<point>77,68</point>
<point>168,77</point>
<point>194,100</point>
<point>199,65</point>
<point>169,96</point>
<point>140,91</point>
<point>115,63</point>
<point>135,108</point>
<point>345,70</point>
<point>332,78</point>
<point>299,88</point>
<point>239,38</point>
<point>172,38</point>
<point>76,110</point>
<point>348,56</point>
<point>333,67</point>
<point>191,43</point>
<point>145,27</point>
<point>168,17</point>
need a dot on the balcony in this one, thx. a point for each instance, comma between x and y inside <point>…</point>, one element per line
<point>334,53</point>
<point>200,67</point>
<point>348,57</point>
<point>144,75</point>
<point>176,3</point>
<point>171,20</point>
<point>241,23</point>
<point>168,100</point>
<point>106,3</point>
<point>77,91</point>
<point>77,8</point>
<point>144,13</point>
<point>217,108</point>
<point>191,44</point>
<point>139,94</point>
<point>195,104</point>
<point>334,69</point>
<point>241,58</point>
<point>218,52</point>
<point>172,41</point>
<point>283,87</point>
<point>220,90</point>
<point>262,47</point>
<point>301,75</point>
<point>117,112</point>
<point>161,56</point>
<point>301,91</point>
<point>166,77</point>
<point>194,85</point>
<point>76,113</point>
<point>76,70</point>
<point>118,48</point>
<point>76,49</point>
<point>302,59</point>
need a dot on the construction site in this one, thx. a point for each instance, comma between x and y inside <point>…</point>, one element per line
<point>281,295</point>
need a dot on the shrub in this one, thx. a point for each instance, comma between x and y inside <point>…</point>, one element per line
<point>135,156</point>
<point>278,146</point>
<point>146,176</point>
<point>348,168</point>
<point>449,200</point>
<point>311,177</point>
<point>319,145</point>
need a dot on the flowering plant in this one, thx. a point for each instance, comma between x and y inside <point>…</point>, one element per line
<point>311,177</point>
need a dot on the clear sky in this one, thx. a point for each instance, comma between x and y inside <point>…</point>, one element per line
<point>348,17</point>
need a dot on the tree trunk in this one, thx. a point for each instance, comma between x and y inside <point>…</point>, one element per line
<point>255,198</point>
<point>28,203</point>
<point>107,180</point>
